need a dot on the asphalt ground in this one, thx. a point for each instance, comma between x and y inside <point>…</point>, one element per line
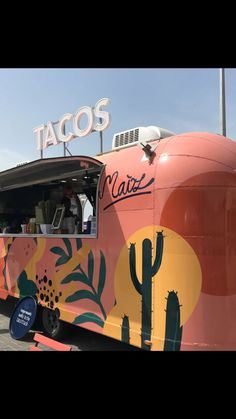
<point>80,339</point>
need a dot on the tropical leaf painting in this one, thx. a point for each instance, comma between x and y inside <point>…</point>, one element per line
<point>68,247</point>
<point>81,295</point>
<point>78,244</point>
<point>90,266</point>
<point>76,276</point>
<point>93,294</point>
<point>102,274</point>
<point>58,251</point>
<point>26,286</point>
<point>64,258</point>
<point>88,318</point>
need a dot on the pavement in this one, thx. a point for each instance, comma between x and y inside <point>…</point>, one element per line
<point>78,338</point>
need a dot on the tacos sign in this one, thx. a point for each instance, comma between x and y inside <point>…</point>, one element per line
<point>54,133</point>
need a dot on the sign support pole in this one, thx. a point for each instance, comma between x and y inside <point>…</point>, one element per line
<point>222,102</point>
<point>101,138</point>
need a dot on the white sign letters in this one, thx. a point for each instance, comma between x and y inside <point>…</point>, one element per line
<point>47,135</point>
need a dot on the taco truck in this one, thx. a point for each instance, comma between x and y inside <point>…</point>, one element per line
<point>158,268</point>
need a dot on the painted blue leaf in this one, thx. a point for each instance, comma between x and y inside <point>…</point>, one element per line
<point>81,295</point>
<point>68,246</point>
<point>88,318</point>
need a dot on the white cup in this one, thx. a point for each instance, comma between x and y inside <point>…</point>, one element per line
<point>24,228</point>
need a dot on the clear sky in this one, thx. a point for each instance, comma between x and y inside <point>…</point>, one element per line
<point>181,100</point>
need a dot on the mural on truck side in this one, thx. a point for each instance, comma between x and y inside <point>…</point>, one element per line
<point>158,281</point>
<point>156,288</point>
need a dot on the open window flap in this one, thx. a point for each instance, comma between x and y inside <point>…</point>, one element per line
<point>44,170</point>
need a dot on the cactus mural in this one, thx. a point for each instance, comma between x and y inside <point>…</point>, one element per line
<point>144,288</point>
<point>173,332</point>
<point>125,335</point>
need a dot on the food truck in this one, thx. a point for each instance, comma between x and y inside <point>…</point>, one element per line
<point>157,270</point>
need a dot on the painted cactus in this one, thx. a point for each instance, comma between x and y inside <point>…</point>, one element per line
<point>125,335</point>
<point>144,288</point>
<point>173,333</point>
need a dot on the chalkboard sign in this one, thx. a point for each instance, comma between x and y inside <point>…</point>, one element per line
<point>23,317</point>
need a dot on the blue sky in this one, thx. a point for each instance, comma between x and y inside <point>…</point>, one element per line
<point>180,100</point>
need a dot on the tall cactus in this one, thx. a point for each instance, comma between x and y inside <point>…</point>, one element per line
<point>125,336</point>
<point>145,288</point>
<point>173,333</point>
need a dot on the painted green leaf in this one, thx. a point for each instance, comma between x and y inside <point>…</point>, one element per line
<point>22,277</point>
<point>58,251</point>
<point>102,274</point>
<point>4,273</point>
<point>63,259</point>
<point>90,266</point>
<point>88,318</point>
<point>25,285</point>
<point>76,277</point>
<point>78,244</point>
<point>68,246</point>
<point>80,295</point>
<point>77,267</point>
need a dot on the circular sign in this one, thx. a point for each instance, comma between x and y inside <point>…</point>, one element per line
<point>23,317</point>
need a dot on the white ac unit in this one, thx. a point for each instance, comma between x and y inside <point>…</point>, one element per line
<point>135,135</point>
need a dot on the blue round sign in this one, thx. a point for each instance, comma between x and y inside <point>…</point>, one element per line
<point>23,317</point>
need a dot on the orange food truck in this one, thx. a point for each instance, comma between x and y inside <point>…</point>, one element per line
<point>157,268</point>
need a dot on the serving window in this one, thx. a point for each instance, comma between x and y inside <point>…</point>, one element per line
<point>54,201</point>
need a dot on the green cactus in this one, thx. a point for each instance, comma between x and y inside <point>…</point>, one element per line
<point>125,336</point>
<point>145,288</point>
<point>173,333</point>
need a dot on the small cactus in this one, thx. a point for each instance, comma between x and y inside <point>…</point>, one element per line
<point>125,335</point>
<point>173,333</point>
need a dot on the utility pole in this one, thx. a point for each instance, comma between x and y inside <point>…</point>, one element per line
<point>222,103</point>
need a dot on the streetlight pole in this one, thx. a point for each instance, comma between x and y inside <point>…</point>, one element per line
<point>222,102</point>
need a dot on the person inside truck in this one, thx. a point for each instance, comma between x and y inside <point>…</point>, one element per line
<point>73,211</point>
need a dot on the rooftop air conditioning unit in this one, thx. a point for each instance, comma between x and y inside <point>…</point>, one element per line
<point>135,135</point>
<point>22,163</point>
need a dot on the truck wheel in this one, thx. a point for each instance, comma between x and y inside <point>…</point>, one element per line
<point>52,326</point>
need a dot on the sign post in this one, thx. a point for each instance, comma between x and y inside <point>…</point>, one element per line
<point>222,102</point>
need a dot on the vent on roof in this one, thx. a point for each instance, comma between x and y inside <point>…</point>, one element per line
<point>129,138</point>
<point>22,163</point>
